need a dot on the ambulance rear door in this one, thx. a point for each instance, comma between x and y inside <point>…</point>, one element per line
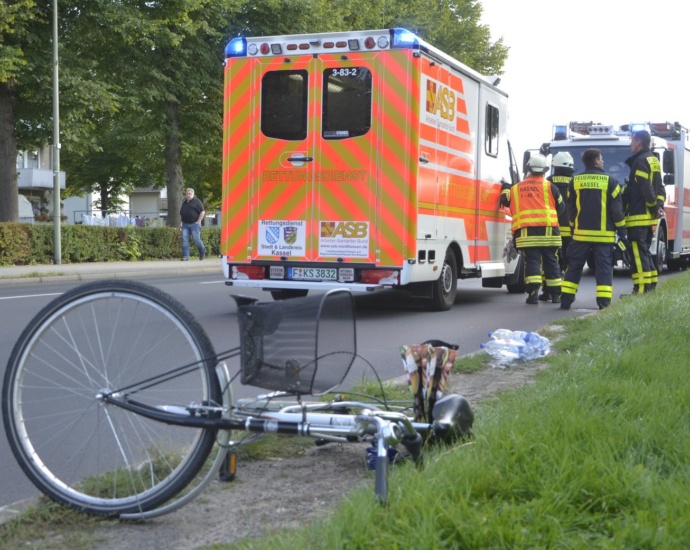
<point>315,169</point>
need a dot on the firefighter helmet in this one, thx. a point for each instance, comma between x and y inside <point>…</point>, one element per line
<point>537,164</point>
<point>563,160</point>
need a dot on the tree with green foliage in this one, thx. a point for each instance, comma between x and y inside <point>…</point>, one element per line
<point>18,23</point>
<point>141,81</point>
<point>166,58</point>
<point>453,26</point>
<point>26,85</point>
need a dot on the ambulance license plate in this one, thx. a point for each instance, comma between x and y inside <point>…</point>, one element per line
<point>313,274</point>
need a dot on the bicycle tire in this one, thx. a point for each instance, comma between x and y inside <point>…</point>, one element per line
<point>92,456</point>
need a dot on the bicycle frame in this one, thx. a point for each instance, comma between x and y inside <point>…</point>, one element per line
<point>388,428</point>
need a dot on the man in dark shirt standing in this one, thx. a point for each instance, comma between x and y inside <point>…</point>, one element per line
<point>192,214</point>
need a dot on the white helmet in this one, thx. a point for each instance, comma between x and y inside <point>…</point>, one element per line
<point>537,164</point>
<point>563,160</point>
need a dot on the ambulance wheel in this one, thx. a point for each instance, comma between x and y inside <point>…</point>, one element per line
<point>287,294</point>
<point>444,289</point>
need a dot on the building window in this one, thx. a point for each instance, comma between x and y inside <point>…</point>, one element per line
<point>20,161</point>
<point>32,160</point>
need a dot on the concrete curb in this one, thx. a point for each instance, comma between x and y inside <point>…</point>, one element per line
<point>105,273</point>
<point>14,510</point>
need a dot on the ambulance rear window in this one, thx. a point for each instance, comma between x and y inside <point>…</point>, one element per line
<point>284,104</point>
<point>346,102</point>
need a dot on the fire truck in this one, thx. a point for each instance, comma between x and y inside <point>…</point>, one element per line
<point>364,160</point>
<point>671,244</point>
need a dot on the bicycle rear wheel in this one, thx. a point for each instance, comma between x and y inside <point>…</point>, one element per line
<point>103,337</point>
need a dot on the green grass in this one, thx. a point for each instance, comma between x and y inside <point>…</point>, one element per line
<point>595,454</point>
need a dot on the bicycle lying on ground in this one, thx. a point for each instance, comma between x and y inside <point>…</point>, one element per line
<point>114,397</point>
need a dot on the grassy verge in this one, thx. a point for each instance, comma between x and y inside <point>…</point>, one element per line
<point>594,455</point>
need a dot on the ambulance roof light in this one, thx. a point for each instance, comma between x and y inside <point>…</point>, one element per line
<point>402,38</point>
<point>237,47</point>
<point>560,132</point>
<point>637,126</point>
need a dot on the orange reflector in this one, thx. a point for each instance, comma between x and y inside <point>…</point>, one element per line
<point>291,47</point>
<point>228,469</point>
<point>304,46</point>
<point>328,44</point>
<point>340,44</point>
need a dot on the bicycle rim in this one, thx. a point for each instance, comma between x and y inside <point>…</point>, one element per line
<point>98,338</point>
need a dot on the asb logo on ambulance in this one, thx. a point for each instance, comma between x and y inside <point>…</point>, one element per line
<point>440,105</point>
<point>344,238</point>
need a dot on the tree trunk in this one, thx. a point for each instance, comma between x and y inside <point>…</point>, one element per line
<point>9,189</point>
<point>173,165</point>
<point>105,198</point>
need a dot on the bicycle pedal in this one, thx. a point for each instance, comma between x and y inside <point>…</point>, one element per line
<point>228,468</point>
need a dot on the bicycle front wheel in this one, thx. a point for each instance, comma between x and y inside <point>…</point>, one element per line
<point>104,337</point>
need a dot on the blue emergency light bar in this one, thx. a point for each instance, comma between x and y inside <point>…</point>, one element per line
<point>402,38</point>
<point>237,47</point>
<point>636,127</point>
<point>560,132</point>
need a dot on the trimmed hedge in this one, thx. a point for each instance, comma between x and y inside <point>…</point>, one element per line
<point>32,244</point>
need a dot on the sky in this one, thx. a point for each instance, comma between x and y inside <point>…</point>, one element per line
<point>588,60</point>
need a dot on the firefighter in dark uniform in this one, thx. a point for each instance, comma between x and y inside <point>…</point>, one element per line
<point>534,205</point>
<point>562,168</point>
<point>595,209</point>
<point>643,198</point>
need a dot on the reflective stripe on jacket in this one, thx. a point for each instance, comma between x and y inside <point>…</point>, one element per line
<point>534,204</point>
<point>644,190</point>
<point>595,206</point>
<point>562,182</point>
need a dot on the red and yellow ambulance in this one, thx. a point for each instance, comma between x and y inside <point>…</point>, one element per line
<point>364,160</point>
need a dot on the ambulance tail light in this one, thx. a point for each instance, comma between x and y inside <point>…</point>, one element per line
<point>404,39</point>
<point>237,47</point>
<point>380,277</point>
<point>248,272</point>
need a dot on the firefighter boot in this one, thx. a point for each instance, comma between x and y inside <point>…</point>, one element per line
<point>635,292</point>
<point>544,296</point>
<point>532,294</point>
<point>603,302</point>
<point>567,300</point>
<point>556,295</point>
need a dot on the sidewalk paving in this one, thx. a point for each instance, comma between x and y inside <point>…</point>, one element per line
<point>22,274</point>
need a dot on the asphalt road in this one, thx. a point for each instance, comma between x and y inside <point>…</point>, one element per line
<point>384,322</point>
